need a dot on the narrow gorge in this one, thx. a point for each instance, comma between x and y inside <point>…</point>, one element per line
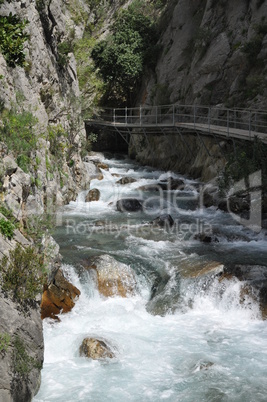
<point>132,267</point>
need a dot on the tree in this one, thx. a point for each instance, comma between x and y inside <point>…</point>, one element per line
<point>122,57</point>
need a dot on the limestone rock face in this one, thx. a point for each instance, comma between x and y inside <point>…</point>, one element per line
<point>58,297</point>
<point>24,329</point>
<point>93,195</point>
<point>113,278</point>
<point>95,349</point>
<point>47,91</point>
<point>208,58</point>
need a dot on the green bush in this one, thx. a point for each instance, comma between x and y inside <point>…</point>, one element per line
<point>23,363</point>
<point>122,57</point>
<point>22,273</point>
<point>4,342</point>
<point>7,228</point>
<point>64,48</point>
<point>12,39</point>
<point>57,138</point>
<point>17,132</point>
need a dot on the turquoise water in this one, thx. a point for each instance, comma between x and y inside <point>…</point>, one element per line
<point>203,345</point>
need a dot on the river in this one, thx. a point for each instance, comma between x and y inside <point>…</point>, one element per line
<point>195,340</point>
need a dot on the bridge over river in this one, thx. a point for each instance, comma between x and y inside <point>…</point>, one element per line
<point>242,124</point>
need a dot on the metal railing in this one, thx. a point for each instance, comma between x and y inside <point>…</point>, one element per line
<point>251,121</point>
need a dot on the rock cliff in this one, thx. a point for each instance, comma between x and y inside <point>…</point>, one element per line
<point>45,90</point>
<point>212,53</point>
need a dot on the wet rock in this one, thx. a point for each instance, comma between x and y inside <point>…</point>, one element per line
<point>126,180</point>
<point>59,296</point>
<point>165,295</point>
<point>209,196</point>
<point>171,184</point>
<point>93,195</point>
<point>95,349</point>
<point>255,282</point>
<point>238,204</point>
<point>209,268</point>
<point>103,166</point>
<point>113,277</point>
<point>149,187</point>
<point>197,269</point>
<point>129,205</point>
<point>206,238</point>
<point>202,365</point>
<point>164,221</point>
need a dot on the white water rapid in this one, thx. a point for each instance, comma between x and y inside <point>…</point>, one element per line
<point>195,340</point>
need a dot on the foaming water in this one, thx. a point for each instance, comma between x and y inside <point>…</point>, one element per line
<point>180,337</point>
<point>210,352</point>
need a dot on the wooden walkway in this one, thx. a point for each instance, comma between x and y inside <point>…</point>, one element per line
<point>226,123</point>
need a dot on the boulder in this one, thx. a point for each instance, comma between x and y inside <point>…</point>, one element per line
<point>113,277</point>
<point>255,282</point>
<point>129,205</point>
<point>95,349</point>
<point>93,195</point>
<point>149,187</point>
<point>164,220</point>
<point>126,180</point>
<point>206,238</point>
<point>171,184</point>
<point>59,296</point>
<point>198,269</point>
<point>102,165</point>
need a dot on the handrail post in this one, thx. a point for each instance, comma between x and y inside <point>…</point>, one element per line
<point>249,125</point>
<point>173,118</point>
<point>194,116</point>
<point>228,122</point>
<point>126,117</point>
<point>209,118</point>
<point>156,115</point>
<point>255,125</point>
<point>114,116</point>
<point>140,115</point>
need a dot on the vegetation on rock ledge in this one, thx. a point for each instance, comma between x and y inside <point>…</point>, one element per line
<point>12,39</point>
<point>22,274</point>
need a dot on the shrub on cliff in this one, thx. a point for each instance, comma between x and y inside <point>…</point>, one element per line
<point>22,273</point>
<point>12,39</point>
<point>6,228</point>
<point>17,132</point>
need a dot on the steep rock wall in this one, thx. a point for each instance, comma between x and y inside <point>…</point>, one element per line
<point>48,88</point>
<point>213,53</point>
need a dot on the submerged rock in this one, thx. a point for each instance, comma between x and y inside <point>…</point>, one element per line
<point>206,238</point>
<point>129,205</point>
<point>58,297</point>
<point>164,220</point>
<point>171,184</point>
<point>126,180</point>
<point>113,277</point>
<point>255,283</point>
<point>95,349</point>
<point>93,195</point>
